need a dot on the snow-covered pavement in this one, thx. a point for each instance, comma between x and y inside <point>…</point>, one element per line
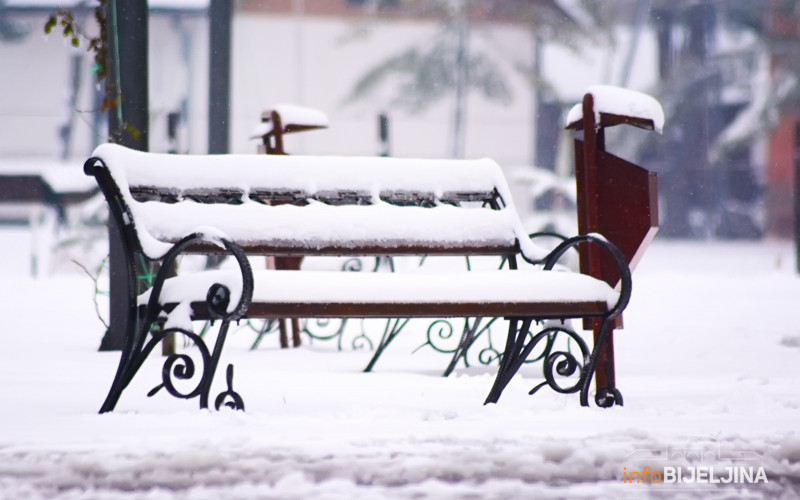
<point>708,363</point>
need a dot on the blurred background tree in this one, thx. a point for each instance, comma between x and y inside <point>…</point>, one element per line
<point>451,64</point>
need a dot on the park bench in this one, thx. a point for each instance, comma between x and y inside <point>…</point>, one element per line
<point>41,195</point>
<point>167,205</point>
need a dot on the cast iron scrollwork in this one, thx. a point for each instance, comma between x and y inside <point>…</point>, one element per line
<point>441,331</point>
<point>356,264</point>
<point>519,343</point>
<point>181,367</point>
<point>605,396</point>
<point>324,329</point>
<point>560,363</point>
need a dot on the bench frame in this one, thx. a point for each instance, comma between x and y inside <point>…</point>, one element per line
<point>144,321</point>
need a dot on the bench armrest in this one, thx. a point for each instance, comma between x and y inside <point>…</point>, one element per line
<point>218,296</point>
<point>625,282</point>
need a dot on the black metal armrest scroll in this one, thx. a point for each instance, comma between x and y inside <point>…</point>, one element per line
<point>607,396</point>
<point>625,283</point>
<point>218,297</point>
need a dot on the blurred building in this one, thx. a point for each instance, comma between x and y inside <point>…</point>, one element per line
<point>51,100</point>
<point>725,166</point>
<point>310,53</point>
<point>729,76</point>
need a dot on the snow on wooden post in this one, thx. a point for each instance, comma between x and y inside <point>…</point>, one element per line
<point>285,119</point>
<point>615,198</point>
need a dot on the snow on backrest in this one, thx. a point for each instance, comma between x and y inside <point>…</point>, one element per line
<point>334,203</point>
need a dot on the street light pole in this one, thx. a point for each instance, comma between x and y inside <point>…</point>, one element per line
<point>128,126</point>
<point>220,14</point>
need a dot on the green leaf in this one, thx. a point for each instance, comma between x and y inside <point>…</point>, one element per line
<point>50,24</point>
<point>133,131</point>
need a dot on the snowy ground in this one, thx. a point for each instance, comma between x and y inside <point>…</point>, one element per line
<point>707,363</point>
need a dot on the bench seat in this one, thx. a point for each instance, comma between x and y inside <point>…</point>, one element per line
<point>282,294</point>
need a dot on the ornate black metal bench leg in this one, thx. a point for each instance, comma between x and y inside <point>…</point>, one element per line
<point>389,334</point>
<point>181,367</point>
<point>119,384</point>
<point>606,397</point>
<point>128,365</point>
<point>264,330</point>
<point>609,395</point>
<point>510,361</point>
<point>468,337</point>
<point>557,363</point>
<point>236,402</point>
<point>208,377</point>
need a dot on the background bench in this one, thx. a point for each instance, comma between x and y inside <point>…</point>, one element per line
<point>166,205</point>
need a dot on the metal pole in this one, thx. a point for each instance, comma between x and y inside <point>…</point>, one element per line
<point>461,79</point>
<point>127,124</point>
<point>536,97</point>
<point>220,13</point>
<point>383,135</point>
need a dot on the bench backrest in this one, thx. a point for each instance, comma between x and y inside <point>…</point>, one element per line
<point>308,205</point>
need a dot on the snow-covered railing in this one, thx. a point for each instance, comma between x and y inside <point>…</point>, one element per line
<point>166,205</point>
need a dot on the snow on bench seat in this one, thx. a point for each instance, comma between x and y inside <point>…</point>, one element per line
<point>534,293</point>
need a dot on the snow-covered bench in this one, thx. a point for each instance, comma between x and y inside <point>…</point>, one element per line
<point>166,205</point>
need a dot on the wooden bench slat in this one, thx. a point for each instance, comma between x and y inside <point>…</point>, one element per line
<point>228,196</point>
<point>268,195</point>
<point>360,248</point>
<point>537,294</point>
<point>539,310</point>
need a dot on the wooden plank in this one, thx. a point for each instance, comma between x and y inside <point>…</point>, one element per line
<point>279,196</point>
<point>366,248</point>
<point>228,196</point>
<point>339,197</point>
<point>268,195</point>
<point>155,193</point>
<point>538,310</point>
<point>408,198</point>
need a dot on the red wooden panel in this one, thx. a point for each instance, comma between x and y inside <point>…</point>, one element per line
<point>627,204</point>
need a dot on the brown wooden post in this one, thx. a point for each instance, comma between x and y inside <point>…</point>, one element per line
<point>589,222</point>
<point>272,144</point>
<point>616,199</point>
<point>277,135</point>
